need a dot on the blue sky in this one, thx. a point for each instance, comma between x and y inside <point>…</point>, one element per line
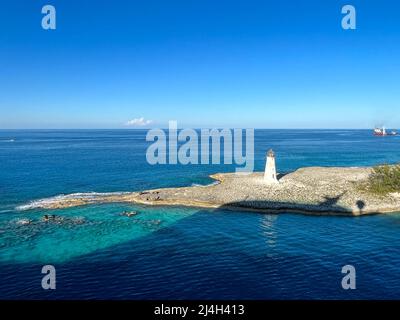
<point>208,63</point>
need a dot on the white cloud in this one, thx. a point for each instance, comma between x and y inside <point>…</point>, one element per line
<point>138,122</point>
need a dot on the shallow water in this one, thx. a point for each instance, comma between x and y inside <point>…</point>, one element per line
<point>171,252</point>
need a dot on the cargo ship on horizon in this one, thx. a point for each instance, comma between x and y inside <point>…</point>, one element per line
<point>382,132</point>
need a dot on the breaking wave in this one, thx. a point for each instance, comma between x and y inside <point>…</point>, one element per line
<point>46,202</point>
<point>214,183</point>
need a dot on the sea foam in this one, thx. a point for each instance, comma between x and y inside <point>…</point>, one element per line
<point>205,185</point>
<point>47,202</point>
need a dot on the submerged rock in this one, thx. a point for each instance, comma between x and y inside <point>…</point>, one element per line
<point>129,213</point>
<point>23,221</point>
<point>63,220</point>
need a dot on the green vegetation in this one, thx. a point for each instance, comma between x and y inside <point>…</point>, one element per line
<point>384,179</point>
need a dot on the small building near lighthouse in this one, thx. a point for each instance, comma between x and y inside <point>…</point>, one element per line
<point>270,168</point>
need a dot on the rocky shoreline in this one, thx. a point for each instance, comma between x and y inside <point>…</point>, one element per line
<point>312,190</point>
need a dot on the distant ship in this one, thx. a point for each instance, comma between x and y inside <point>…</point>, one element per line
<point>382,132</point>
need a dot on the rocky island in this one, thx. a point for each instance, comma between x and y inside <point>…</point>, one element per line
<point>312,190</point>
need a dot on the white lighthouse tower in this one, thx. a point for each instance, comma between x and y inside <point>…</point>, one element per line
<point>270,168</point>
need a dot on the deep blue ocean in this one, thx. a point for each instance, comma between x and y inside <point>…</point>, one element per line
<point>184,253</point>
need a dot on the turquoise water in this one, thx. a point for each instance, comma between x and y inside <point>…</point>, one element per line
<point>83,230</point>
<point>173,252</point>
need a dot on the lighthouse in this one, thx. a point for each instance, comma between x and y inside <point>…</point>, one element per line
<point>270,168</point>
